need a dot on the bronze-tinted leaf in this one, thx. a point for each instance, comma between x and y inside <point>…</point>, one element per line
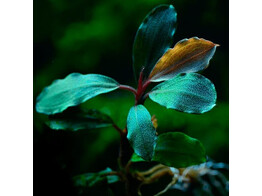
<point>188,55</point>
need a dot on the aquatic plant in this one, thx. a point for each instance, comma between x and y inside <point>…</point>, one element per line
<point>180,88</point>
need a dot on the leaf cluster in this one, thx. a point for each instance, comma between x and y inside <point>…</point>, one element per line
<point>154,60</point>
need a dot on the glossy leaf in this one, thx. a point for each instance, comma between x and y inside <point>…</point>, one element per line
<point>191,93</point>
<point>73,90</point>
<point>154,37</point>
<point>141,132</point>
<point>188,55</point>
<point>136,158</point>
<point>76,119</point>
<point>178,150</point>
<point>91,179</point>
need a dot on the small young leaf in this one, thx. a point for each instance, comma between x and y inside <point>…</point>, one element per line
<point>73,90</point>
<point>178,150</point>
<point>76,119</point>
<point>141,132</point>
<point>188,55</point>
<point>191,93</point>
<point>154,37</point>
<point>136,158</point>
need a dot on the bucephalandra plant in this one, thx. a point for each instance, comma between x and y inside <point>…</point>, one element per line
<point>154,60</point>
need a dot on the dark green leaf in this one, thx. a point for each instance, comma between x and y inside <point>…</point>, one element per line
<point>141,132</point>
<point>76,119</point>
<point>191,93</point>
<point>91,179</point>
<point>73,90</point>
<point>178,150</point>
<point>154,37</point>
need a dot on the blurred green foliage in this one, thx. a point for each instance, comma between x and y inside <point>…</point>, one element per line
<point>96,37</point>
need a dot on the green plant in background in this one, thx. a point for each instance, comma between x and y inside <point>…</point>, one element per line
<point>181,89</point>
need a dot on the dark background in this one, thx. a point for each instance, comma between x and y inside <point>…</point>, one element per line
<point>96,37</point>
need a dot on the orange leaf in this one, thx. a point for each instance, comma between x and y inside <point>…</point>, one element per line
<point>188,55</point>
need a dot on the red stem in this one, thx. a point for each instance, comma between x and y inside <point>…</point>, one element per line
<point>128,88</point>
<point>140,82</point>
<point>140,92</point>
<point>140,89</point>
<point>118,129</point>
<point>145,85</point>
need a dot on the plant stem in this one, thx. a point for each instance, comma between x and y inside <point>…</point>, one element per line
<point>152,170</point>
<point>132,185</point>
<point>141,89</point>
<point>118,129</point>
<point>140,82</point>
<point>145,85</point>
<point>126,150</point>
<point>125,153</point>
<point>128,88</point>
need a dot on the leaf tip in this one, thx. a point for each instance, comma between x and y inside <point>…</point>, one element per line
<point>171,7</point>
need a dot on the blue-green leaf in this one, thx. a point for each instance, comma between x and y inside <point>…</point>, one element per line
<point>154,37</point>
<point>77,119</point>
<point>191,93</point>
<point>141,132</point>
<point>178,150</point>
<point>73,90</point>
